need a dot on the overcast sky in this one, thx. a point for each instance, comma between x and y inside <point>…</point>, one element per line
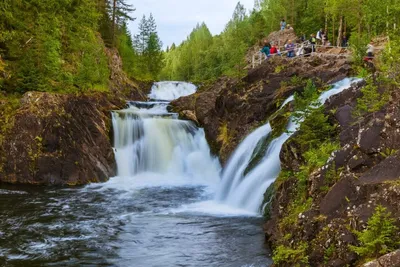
<point>176,18</point>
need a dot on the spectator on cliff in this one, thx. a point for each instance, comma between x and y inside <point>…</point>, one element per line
<point>290,48</point>
<point>289,27</point>
<point>266,49</point>
<point>274,49</point>
<point>370,50</point>
<point>283,24</point>
<point>303,37</point>
<point>313,41</point>
<point>324,38</point>
<point>319,36</point>
<point>344,41</point>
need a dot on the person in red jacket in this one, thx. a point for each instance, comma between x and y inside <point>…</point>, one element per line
<point>273,49</point>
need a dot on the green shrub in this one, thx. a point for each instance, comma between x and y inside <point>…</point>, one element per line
<point>380,236</point>
<point>296,256</point>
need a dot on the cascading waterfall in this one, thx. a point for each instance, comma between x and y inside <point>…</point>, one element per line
<point>245,190</point>
<point>171,90</point>
<point>149,139</point>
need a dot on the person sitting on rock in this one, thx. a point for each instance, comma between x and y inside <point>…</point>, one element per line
<point>283,24</point>
<point>290,48</point>
<point>266,49</point>
<point>273,49</point>
<point>289,27</point>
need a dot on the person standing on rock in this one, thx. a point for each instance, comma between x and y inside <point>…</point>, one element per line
<point>283,24</point>
<point>319,35</point>
<point>313,41</point>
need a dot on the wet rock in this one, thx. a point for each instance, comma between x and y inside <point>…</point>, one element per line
<point>387,170</point>
<point>338,198</point>
<point>245,104</point>
<point>388,260</point>
<point>59,139</point>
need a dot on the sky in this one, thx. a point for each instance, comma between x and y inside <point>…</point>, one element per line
<point>177,18</point>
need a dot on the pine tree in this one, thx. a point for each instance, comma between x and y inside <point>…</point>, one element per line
<point>149,48</point>
<point>120,13</point>
<point>380,236</point>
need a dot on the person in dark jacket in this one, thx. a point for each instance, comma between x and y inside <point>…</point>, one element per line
<point>266,49</point>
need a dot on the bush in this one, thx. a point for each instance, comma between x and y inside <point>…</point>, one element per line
<point>296,256</point>
<point>380,236</point>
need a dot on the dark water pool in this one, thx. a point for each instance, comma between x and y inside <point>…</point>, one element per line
<point>100,226</point>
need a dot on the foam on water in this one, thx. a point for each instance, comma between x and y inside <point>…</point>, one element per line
<point>171,90</point>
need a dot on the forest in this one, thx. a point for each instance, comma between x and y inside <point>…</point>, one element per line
<point>62,45</point>
<point>205,57</point>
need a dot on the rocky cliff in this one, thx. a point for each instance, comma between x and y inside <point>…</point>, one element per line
<point>341,196</point>
<point>231,108</point>
<point>63,139</point>
<point>58,139</point>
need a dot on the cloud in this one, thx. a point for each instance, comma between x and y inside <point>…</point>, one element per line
<point>176,18</point>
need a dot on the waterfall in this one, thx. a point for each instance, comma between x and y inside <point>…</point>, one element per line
<point>245,190</point>
<point>171,90</point>
<point>150,140</point>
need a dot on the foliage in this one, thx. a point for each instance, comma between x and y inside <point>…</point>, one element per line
<point>148,47</point>
<point>315,127</point>
<point>371,101</point>
<point>380,236</point>
<point>52,45</point>
<point>296,256</point>
<point>59,46</point>
<point>388,152</point>
<point>223,135</point>
<point>204,57</point>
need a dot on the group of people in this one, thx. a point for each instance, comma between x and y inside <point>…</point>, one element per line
<point>321,38</point>
<point>269,50</point>
<point>284,26</point>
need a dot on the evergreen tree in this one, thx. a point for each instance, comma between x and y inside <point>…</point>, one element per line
<point>149,49</point>
<point>120,13</point>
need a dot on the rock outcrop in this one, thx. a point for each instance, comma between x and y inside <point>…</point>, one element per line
<point>230,109</point>
<point>366,175</point>
<point>388,260</point>
<point>58,139</point>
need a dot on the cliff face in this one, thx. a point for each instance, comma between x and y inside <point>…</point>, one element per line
<point>230,109</point>
<point>59,139</point>
<point>63,139</point>
<point>343,194</point>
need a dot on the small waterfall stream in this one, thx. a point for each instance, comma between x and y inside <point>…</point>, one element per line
<point>245,190</point>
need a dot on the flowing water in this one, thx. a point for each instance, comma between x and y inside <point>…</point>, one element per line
<point>170,204</point>
<point>245,190</point>
<point>158,211</point>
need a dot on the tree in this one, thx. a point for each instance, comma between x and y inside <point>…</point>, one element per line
<point>380,236</point>
<point>149,49</point>
<point>120,13</point>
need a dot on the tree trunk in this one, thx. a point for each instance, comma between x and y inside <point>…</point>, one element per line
<point>114,12</point>
<point>326,23</point>
<point>293,13</point>
<point>333,30</point>
<point>340,31</point>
